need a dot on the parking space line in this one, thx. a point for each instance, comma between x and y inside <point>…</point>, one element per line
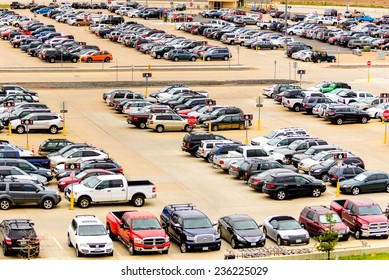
<point>118,253</point>
<point>56,241</point>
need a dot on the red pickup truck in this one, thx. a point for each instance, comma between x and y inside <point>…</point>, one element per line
<point>140,231</point>
<point>363,216</point>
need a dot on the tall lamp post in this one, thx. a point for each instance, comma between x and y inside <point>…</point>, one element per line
<point>286,23</point>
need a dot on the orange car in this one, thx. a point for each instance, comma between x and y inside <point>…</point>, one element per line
<point>98,56</point>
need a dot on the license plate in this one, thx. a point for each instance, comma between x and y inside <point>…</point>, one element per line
<point>98,251</point>
<point>298,241</point>
<point>340,235</point>
<point>23,242</point>
<point>205,248</point>
<point>253,244</point>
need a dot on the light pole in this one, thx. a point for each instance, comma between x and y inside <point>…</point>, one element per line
<point>346,5</point>
<point>286,23</point>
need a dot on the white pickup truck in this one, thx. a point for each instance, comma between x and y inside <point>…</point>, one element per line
<point>111,188</point>
<point>244,152</point>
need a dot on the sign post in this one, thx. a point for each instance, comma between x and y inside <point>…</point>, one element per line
<point>339,157</point>
<point>210,103</point>
<point>147,76</point>
<point>247,118</point>
<point>9,105</point>
<point>238,50</point>
<point>26,123</point>
<point>385,116</point>
<point>259,105</point>
<point>72,167</point>
<point>63,109</point>
<point>301,73</point>
<point>368,70</point>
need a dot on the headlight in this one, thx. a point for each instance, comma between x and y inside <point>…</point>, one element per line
<point>284,236</point>
<point>138,240</point>
<point>217,235</point>
<point>240,238</point>
<point>57,193</point>
<point>83,245</point>
<point>167,239</point>
<point>190,238</point>
<point>109,244</point>
<point>48,173</point>
<point>365,226</point>
<point>307,235</point>
<point>316,171</point>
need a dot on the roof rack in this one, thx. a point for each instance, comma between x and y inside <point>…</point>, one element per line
<point>183,206</point>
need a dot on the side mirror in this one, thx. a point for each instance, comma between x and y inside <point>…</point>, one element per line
<point>36,190</point>
<point>121,225</point>
<point>259,226</point>
<point>176,225</point>
<point>98,188</point>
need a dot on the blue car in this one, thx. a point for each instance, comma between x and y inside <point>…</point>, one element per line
<point>365,18</point>
<point>43,10</point>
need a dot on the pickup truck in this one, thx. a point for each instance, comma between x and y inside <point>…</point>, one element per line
<point>190,228</point>
<point>140,231</point>
<point>263,24</point>
<point>139,119</point>
<point>38,161</point>
<point>111,188</point>
<point>244,152</point>
<point>363,216</point>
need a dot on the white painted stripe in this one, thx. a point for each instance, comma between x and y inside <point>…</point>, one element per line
<point>118,253</point>
<point>56,241</point>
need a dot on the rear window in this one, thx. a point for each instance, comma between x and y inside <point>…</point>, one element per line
<point>22,233</point>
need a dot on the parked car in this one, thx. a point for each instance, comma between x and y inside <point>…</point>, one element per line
<point>64,182</point>
<point>97,56</point>
<point>241,231</point>
<point>177,55</point>
<point>53,145</point>
<point>40,121</point>
<point>285,230</point>
<point>257,181</point>
<point>340,115</point>
<point>168,122</point>
<point>227,122</point>
<point>366,182</point>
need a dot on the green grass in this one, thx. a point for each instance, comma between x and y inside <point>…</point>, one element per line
<point>326,4</point>
<point>372,256</point>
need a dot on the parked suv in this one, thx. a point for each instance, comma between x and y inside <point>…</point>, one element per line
<point>217,53</point>
<point>82,153</point>
<point>116,97</point>
<point>166,122</point>
<point>255,166</point>
<point>282,142</point>
<point>312,151</point>
<point>41,121</point>
<point>27,167</point>
<point>340,115</point>
<point>220,112</point>
<point>344,172</point>
<point>288,131</point>
<point>87,234</point>
<point>13,192</point>
<point>53,55</point>
<point>314,220</point>
<point>53,145</point>
<point>19,236</point>
<point>191,141</point>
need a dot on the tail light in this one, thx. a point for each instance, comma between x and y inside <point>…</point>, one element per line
<point>8,241</point>
<point>37,239</point>
<point>221,162</point>
<point>117,106</point>
<point>202,152</point>
<point>270,186</point>
<point>246,174</point>
<point>61,121</point>
<point>306,105</point>
<point>154,189</point>
<point>151,122</point>
<point>288,101</point>
<point>120,170</point>
<point>344,100</point>
<point>335,176</point>
<point>187,145</point>
<point>235,169</point>
<point>42,148</point>
<point>256,181</point>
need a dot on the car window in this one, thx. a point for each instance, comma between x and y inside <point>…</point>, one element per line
<point>381,177</point>
<point>116,183</point>
<point>310,215</point>
<point>301,180</point>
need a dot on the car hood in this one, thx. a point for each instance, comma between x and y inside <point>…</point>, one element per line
<point>373,219</point>
<point>251,234</point>
<point>199,231</point>
<point>293,232</point>
<point>150,233</point>
<point>93,239</point>
<point>283,151</point>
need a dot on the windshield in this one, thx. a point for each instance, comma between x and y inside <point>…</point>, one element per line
<point>293,145</point>
<point>335,218</point>
<point>91,230</point>
<point>310,151</point>
<point>68,153</point>
<point>81,175</point>
<point>145,224</point>
<point>274,141</point>
<point>369,210</point>
<point>197,223</point>
<point>245,225</point>
<point>144,109</point>
<point>91,182</point>
<point>328,162</point>
<point>360,177</point>
<point>288,225</point>
<point>318,156</point>
<point>270,135</point>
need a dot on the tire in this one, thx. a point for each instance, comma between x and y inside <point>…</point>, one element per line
<point>364,120</point>
<point>160,128</point>
<point>69,242</point>
<point>158,56</point>
<point>131,249</point>
<point>274,48</point>
<point>5,252</point>
<point>316,192</point>
<point>242,126</point>
<point>232,43</point>
<point>215,128</point>
<point>107,59</point>
<point>318,60</point>
<point>142,125</point>
<point>281,195</point>
<point>89,60</point>
<point>78,253</point>
<point>225,58</point>
<point>47,203</point>
<point>146,18</point>
<point>188,128</point>
<point>74,60</point>
<point>165,252</point>
<point>175,59</point>
<point>384,236</point>
<point>53,129</point>
<point>111,235</point>
<point>84,202</point>
<point>333,60</point>
<point>387,188</point>
<point>358,233</point>
<point>51,59</point>
<point>288,160</point>
<point>279,241</point>
<point>193,58</point>
<point>110,254</point>
<point>339,121</point>
<point>5,204</point>
<point>183,247</point>
<point>324,177</point>
<point>20,129</point>
<point>355,191</point>
<point>234,243</point>
<point>138,201</point>
<point>208,58</point>
<point>296,108</point>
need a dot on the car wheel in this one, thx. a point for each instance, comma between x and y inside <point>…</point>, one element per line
<point>107,59</point>
<point>225,58</point>
<point>242,126</point>
<point>281,195</point>
<point>5,204</point>
<point>183,247</point>
<point>78,253</point>
<point>364,120</point>
<point>355,190</point>
<point>208,58</point>
<point>84,202</point>
<point>324,177</point>
<point>339,121</point>
<point>333,60</point>
<point>78,24</point>
<point>274,48</point>
<point>158,56</point>
<point>146,18</point>
<point>318,60</point>
<point>175,58</point>
<point>111,234</point>
<point>296,108</point>
<point>279,240</point>
<point>89,60</point>
<point>188,128</point>
<point>138,201</point>
<point>142,125</point>
<point>20,129</point>
<point>160,128</point>
<point>69,242</point>
<point>53,129</point>
<point>215,128</point>
<point>48,203</point>
<point>193,58</point>
<point>74,59</point>
<point>234,243</point>
<point>131,249</point>
<point>358,233</point>
<point>387,188</point>
<point>51,59</point>
<point>316,192</point>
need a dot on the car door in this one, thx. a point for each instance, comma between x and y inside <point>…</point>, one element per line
<point>310,225</point>
<point>42,122</point>
<point>118,190</point>
<point>272,230</point>
<point>226,123</point>
<point>31,193</point>
<point>102,192</point>
<point>290,185</point>
<point>303,185</point>
<point>235,122</point>
<point>176,122</point>
<point>16,191</point>
<point>175,227</point>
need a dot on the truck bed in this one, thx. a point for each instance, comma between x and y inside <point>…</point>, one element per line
<point>139,183</point>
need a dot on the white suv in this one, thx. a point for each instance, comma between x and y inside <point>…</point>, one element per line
<point>41,121</point>
<point>78,154</point>
<point>88,236</point>
<point>290,131</point>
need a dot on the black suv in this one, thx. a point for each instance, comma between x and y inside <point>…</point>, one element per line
<point>19,236</point>
<point>53,145</point>
<point>255,166</point>
<point>220,112</point>
<point>280,186</point>
<point>344,172</point>
<point>53,55</point>
<point>190,228</point>
<point>340,115</point>
<point>192,141</point>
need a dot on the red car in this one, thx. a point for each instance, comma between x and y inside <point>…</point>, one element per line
<point>64,182</point>
<point>184,113</point>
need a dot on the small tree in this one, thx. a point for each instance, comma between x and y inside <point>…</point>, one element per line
<point>329,239</point>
